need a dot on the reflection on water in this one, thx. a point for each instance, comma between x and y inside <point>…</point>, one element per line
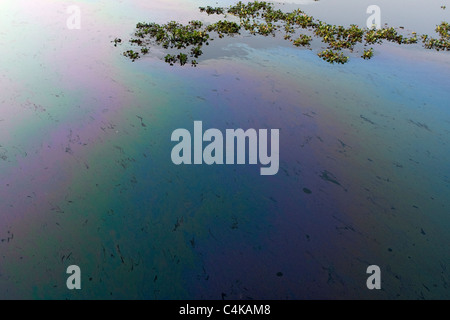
<point>87,179</point>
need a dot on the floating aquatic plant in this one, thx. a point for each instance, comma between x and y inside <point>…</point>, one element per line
<point>196,52</point>
<point>131,54</point>
<point>116,41</point>
<point>333,56</point>
<point>170,59</point>
<point>210,10</point>
<point>367,54</point>
<point>224,27</point>
<point>183,58</point>
<point>439,44</point>
<point>261,18</point>
<point>303,40</point>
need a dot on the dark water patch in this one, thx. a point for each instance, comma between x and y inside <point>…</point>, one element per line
<point>398,165</point>
<point>8,238</point>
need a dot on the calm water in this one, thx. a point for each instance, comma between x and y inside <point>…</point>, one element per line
<point>86,176</point>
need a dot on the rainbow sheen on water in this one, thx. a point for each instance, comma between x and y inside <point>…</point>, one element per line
<point>87,178</point>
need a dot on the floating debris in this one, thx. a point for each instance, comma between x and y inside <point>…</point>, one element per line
<point>367,120</point>
<point>439,44</point>
<point>117,41</point>
<point>328,176</point>
<point>420,125</point>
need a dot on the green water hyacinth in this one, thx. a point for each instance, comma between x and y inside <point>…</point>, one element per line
<point>260,18</point>
<point>210,10</point>
<point>303,40</point>
<point>196,52</point>
<point>439,44</point>
<point>367,54</point>
<point>116,41</point>
<point>224,27</point>
<point>131,54</point>
<point>332,56</point>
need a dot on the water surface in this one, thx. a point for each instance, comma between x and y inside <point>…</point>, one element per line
<point>87,179</point>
